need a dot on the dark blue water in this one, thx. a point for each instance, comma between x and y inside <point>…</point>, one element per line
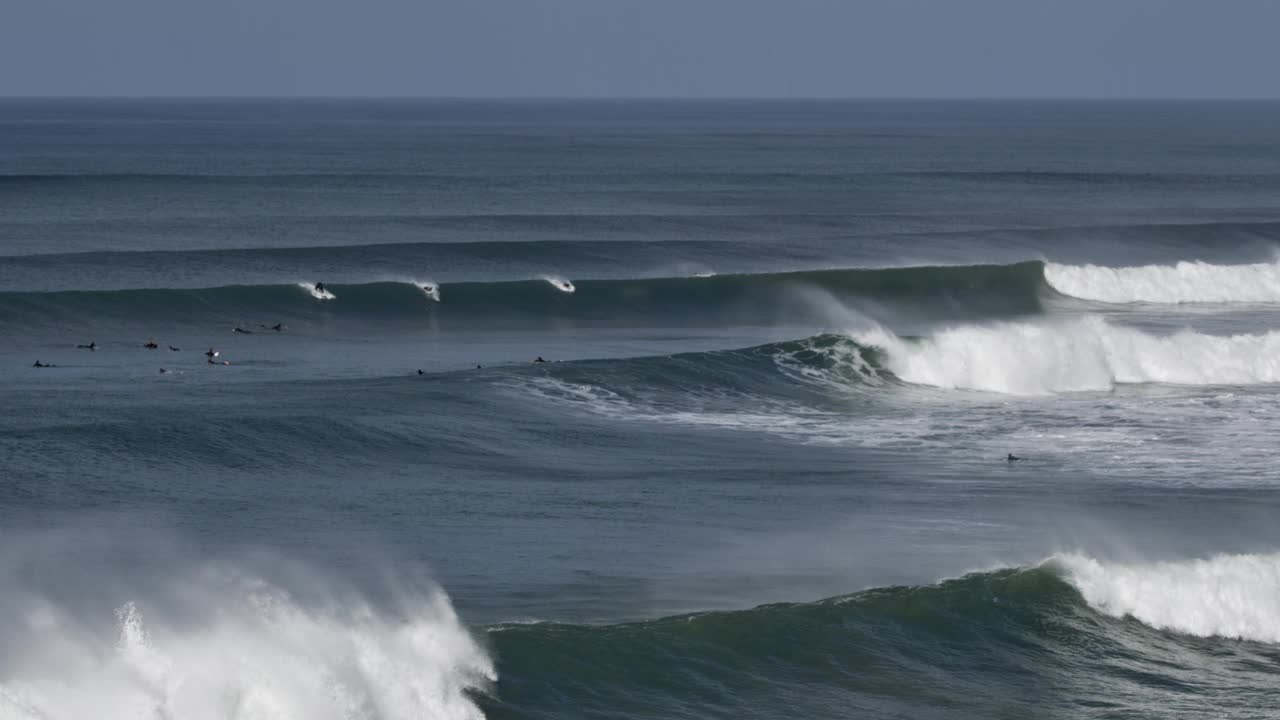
<point>763,471</point>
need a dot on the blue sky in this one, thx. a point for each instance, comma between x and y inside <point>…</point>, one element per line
<point>649,48</point>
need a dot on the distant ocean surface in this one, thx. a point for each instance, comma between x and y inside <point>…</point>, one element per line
<point>763,471</point>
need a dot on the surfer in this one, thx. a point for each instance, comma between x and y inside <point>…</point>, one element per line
<point>212,362</point>
<point>320,287</point>
<point>43,365</point>
<point>242,331</point>
<point>539,360</point>
<point>93,345</point>
<point>174,349</point>
<point>211,354</point>
<point>151,345</point>
<point>420,372</point>
<point>163,371</point>
<point>1012,458</point>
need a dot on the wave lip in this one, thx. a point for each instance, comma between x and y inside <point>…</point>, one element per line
<point>1182,283</point>
<point>1229,596</point>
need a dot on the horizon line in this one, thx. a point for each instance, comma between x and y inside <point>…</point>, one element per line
<point>669,98</point>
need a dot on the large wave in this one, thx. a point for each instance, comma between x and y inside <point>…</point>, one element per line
<point>1004,643</point>
<point>764,299</point>
<point>1184,282</point>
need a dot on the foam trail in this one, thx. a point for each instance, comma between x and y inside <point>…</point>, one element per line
<point>1185,282</point>
<point>560,283</point>
<point>1232,596</point>
<point>1045,357</point>
<point>255,652</point>
<point>317,294</point>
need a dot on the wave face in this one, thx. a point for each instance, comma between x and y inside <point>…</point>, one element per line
<point>1184,282</point>
<point>937,293</point>
<point>222,642</point>
<point>721,299</point>
<point>1045,357</point>
<point>996,641</point>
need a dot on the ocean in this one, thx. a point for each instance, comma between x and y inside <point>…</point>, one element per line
<point>639,409</point>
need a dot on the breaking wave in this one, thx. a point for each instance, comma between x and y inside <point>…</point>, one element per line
<point>217,640</point>
<point>884,651</point>
<point>1231,596</point>
<point>1044,357</point>
<point>1184,282</point>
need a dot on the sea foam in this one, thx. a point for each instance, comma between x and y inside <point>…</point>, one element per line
<point>1044,357</point>
<point>242,649</point>
<point>1232,596</point>
<point>1185,282</point>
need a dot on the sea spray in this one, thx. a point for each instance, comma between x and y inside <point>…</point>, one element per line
<point>219,641</point>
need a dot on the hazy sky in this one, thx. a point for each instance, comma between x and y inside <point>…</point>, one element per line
<point>698,48</point>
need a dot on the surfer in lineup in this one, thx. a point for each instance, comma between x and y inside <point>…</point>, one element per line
<point>1012,458</point>
<point>174,349</point>
<point>43,365</point>
<point>211,354</point>
<point>242,331</point>
<point>93,345</point>
<point>151,345</point>
<point>538,360</point>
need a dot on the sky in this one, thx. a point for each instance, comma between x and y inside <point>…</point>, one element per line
<point>641,48</point>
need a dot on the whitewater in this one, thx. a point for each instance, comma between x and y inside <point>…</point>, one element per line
<point>1182,282</point>
<point>215,641</point>
<point>1074,355</point>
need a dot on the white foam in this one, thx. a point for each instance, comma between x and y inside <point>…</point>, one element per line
<point>1232,596</point>
<point>257,654</point>
<point>1185,282</point>
<point>428,288</point>
<point>1045,357</point>
<point>317,294</point>
<point>560,283</point>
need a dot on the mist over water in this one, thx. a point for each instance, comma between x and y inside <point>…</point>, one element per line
<point>762,471</point>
